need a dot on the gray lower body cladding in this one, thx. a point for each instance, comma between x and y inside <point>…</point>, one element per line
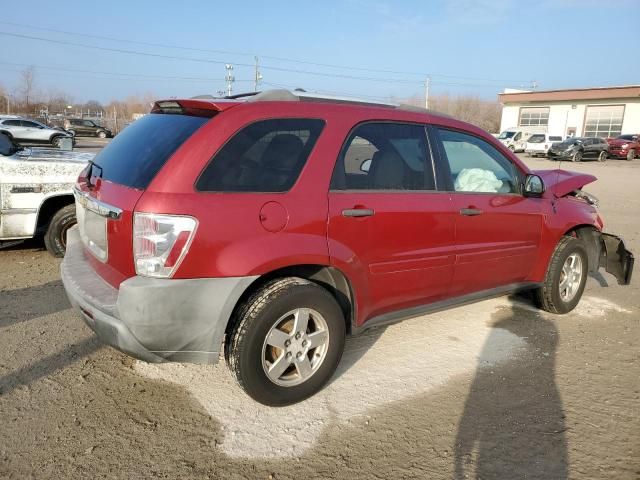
<point>155,320</point>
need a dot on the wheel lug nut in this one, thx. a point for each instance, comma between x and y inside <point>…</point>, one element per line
<point>298,355</point>
<point>304,343</point>
<point>298,335</point>
<point>289,355</point>
<point>287,343</point>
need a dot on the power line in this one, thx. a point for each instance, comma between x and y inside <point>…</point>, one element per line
<point>277,58</point>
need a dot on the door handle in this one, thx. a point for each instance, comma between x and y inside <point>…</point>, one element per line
<point>358,212</point>
<point>470,212</point>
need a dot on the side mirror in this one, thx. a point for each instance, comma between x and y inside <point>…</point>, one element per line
<point>533,186</point>
<point>7,147</point>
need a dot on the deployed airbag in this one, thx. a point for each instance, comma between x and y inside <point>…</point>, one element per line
<point>477,180</point>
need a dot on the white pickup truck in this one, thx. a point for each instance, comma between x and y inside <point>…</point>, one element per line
<point>36,193</point>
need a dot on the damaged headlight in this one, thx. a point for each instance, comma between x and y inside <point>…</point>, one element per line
<point>587,197</point>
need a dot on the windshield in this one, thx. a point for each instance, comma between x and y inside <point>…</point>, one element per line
<point>506,134</point>
<point>536,138</point>
<point>626,137</point>
<point>137,154</point>
<point>570,141</point>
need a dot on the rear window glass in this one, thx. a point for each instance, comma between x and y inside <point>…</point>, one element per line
<point>266,156</point>
<point>136,155</point>
<point>536,139</point>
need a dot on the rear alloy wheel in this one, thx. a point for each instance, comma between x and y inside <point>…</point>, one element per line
<point>631,154</point>
<point>287,342</point>
<point>55,239</point>
<point>566,277</point>
<point>102,134</point>
<point>603,156</point>
<point>577,157</point>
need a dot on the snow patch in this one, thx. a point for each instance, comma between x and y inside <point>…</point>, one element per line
<point>378,367</point>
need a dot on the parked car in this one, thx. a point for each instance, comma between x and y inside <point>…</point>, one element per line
<point>515,139</point>
<point>270,227</point>
<point>578,148</point>
<point>82,127</point>
<point>23,130</point>
<point>36,193</point>
<point>624,146</point>
<point>540,143</point>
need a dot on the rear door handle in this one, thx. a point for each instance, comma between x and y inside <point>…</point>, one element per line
<point>358,212</point>
<point>470,212</point>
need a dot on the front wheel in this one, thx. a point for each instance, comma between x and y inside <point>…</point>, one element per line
<point>512,148</point>
<point>631,154</point>
<point>102,134</point>
<point>55,142</point>
<point>55,240</point>
<point>287,342</point>
<point>602,157</point>
<point>577,157</point>
<point>565,278</point>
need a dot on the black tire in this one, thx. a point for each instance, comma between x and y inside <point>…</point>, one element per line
<point>55,141</point>
<point>55,239</point>
<point>577,157</point>
<point>254,320</point>
<point>512,148</point>
<point>102,134</point>
<point>631,154</point>
<point>547,296</point>
<point>602,157</point>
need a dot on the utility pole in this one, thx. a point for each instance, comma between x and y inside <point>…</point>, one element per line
<point>257,77</point>
<point>427,84</point>
<point>534,85</point>
<point>229,78</point>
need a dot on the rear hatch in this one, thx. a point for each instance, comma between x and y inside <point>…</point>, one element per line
<point>110,187</point>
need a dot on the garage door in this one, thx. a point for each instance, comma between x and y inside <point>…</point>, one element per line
<point>604,121</point>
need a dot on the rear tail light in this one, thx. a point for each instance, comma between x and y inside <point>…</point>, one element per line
<point>160,242</point>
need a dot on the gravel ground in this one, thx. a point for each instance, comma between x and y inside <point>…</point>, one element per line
<point>492,390</point>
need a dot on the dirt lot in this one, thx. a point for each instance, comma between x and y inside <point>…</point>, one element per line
<point>492,390</point>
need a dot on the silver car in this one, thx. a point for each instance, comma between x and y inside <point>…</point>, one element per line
<point>23,130</point>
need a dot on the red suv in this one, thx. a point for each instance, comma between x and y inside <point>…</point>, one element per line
<point>624,146</point>
<point>269,227</point>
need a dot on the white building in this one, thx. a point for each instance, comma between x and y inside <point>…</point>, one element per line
<point>582,112</point>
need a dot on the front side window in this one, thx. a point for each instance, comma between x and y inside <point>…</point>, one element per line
<point>384,156</point>
<point>266,156</point>
<point>12,123</point>
<point>476,166</point>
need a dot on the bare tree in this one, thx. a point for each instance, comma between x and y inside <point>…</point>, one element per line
<point>26,88</point>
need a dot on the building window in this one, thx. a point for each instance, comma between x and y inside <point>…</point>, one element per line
<point>530,116</point>
<point>604,121</point>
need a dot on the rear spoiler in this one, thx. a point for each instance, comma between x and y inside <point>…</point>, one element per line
<point>193,107</point>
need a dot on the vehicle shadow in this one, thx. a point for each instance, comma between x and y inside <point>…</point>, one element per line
<point>513,421</point>
<point>48,365</point>
<point>36,243</point>
<point>355,348</point>
<point>24,304</point>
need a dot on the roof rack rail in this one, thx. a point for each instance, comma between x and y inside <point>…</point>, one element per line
<point>300,95</point>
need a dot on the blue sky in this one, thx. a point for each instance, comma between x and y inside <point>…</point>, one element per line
<point>468,47</point>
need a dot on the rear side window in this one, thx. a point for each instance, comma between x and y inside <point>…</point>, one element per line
<point>266,156</point>
<point>384,156</point>
<point>137,154</point>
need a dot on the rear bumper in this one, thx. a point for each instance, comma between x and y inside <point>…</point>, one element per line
<point>616,259</point>
<point>154,320</point>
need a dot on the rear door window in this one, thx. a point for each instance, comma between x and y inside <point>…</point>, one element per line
<point>137,154</point>
<point>266,156</point>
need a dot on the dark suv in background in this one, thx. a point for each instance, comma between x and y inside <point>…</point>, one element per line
<point>81,127</point>
<point>578,148</point>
